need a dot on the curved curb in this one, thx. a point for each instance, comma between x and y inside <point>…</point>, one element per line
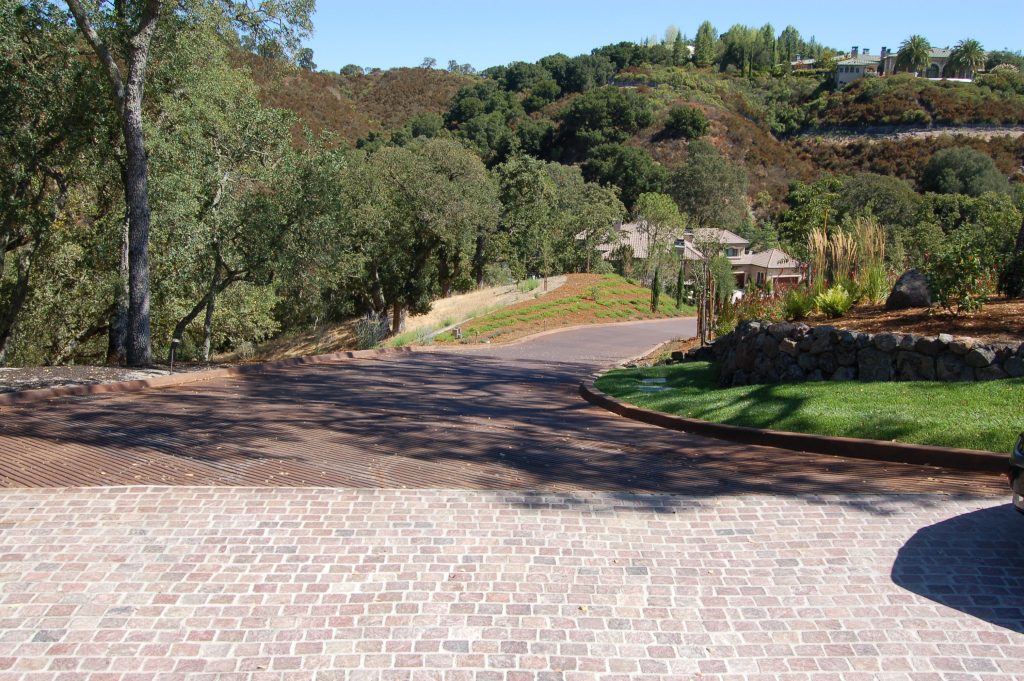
<point>855,448</point>
<point>171,380</point>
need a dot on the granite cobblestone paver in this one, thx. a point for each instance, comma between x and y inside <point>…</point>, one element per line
<point>232,583</point>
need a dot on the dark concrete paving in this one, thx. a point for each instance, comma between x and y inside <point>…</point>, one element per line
<point>506,417</point>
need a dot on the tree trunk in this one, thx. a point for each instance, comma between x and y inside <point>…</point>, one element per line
<point>217,286</point>
<point>208,324</point>
<point>128,100</point>
<point>398,319</point>
<point>444,275</point>
<point>68,351</point>
<point>478,261</point>
<point>9,315</point>
<point>117,337</point>
<point>139,344</point>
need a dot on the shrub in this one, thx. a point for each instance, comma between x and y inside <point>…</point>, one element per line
<point>687,122</point>
<point>797,304</point>
<point>959,278</point>
<point>1011,279</point>
<point>873,283</point>
<point>371,330</point>
<point>528,285</point>
<point>834,302</point>
<point>727,320</point>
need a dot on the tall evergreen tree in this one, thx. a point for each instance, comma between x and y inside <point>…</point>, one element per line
<point>705,46</point>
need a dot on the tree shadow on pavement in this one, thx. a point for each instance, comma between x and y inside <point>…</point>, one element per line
<point>971,563</point>
<point>427,420</point>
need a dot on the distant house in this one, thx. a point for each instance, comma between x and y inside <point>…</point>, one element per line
<point>629,235</point>
<point>858,65</point>
<point>772,265</point>
<point>938,65</point>
<point>803,64</point>
<point>861,64</point>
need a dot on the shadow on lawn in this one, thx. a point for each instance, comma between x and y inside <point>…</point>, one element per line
<point>786,407</point>
<point>432,420</point>
<point>971,563</point>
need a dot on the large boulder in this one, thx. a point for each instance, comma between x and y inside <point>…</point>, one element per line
<point>911,290</point>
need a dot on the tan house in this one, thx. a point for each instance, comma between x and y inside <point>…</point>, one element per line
<point>938,65</point>
<point>773,265</point>
<point>629,235</point>
<point>858,65</point>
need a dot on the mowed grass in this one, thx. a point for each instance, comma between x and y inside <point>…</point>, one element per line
<point>584,299</point>
<point>987,415</point>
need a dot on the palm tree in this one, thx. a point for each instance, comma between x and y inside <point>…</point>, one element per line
<point>913,54</point>
<point>967,57</point>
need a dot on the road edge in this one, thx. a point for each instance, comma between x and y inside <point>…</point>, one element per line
<point>184,378</point>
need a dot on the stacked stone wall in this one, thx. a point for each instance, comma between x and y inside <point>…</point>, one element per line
<point>762,352</point>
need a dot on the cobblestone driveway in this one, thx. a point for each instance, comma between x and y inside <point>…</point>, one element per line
<point>202,583</point>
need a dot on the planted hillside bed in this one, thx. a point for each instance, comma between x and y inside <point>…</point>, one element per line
<point>984,416</point>
<point>583,299</point>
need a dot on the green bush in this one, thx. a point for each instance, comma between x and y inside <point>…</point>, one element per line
<point>834,302</point>
<point>873,283</point>
<point>797,304</point>
<point>528,285</point>
<point>1011,279</point>
<point>687,122</point>
<point>959,278</point>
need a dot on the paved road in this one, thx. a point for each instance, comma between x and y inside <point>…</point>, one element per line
<point>540,539</point>
<point>494,418</point>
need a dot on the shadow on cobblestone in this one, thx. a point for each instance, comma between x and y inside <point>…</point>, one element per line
<point>971,563</point>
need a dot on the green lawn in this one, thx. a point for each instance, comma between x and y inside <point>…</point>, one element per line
<point>986,416</point>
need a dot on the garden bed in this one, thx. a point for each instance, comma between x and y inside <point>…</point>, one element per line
<point>982,416</point>
<point>1002,319</point>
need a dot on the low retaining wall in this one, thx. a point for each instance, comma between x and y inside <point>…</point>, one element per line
<point>761,352</point>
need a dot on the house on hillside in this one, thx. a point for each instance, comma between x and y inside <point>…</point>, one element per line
<point>629,237</point>
<point>860,64</point>
<point>938,67</point>
<point>749,267</point>
<point>857,66</point>
<point>772,265</point>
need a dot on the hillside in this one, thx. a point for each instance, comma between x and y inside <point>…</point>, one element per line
<point>583,299</point>
<point>354,106</point>
<point>769,124</point>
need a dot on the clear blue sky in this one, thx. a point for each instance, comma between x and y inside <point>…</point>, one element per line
<point>485,33</point>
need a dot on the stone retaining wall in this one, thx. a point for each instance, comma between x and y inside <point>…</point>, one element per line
<point>761,352</point>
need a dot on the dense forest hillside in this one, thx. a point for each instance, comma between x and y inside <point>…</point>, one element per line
<point>766,122</point>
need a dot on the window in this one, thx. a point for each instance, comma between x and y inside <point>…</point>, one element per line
<point>731,252</point>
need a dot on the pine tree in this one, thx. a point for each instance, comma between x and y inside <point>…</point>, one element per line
<point>704,46</point>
